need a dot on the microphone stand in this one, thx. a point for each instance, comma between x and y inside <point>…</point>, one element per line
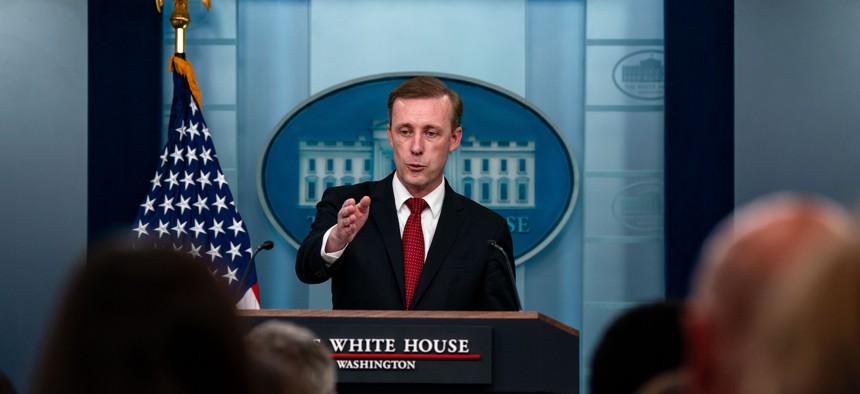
<point>267,245</point>
<point>510,272</point>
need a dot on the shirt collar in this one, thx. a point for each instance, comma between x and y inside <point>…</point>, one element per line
<point>434,199</point>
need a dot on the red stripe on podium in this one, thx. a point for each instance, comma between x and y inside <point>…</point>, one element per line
<point>406,356</point>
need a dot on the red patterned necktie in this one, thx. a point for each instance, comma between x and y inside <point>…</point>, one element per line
<point>413,246</point>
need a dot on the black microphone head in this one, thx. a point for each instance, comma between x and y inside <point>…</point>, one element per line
<point>268,245</point>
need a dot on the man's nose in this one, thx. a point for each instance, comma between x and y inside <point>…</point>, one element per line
<point>416,144</point>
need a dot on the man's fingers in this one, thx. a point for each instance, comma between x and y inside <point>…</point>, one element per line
<point>351,216</point>
<point>363,205</point>
<point>347,209</point>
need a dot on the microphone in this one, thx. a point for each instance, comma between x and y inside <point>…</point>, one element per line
<point>267,245</point>
<point>509,270</point>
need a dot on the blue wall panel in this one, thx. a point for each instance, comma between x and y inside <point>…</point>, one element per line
<point>43,167</point>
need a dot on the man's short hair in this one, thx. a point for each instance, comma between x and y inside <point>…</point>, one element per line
<point>302,365</point>
<point>427,87</point>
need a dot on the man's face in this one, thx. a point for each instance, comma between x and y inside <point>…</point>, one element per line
<point>421,136</point>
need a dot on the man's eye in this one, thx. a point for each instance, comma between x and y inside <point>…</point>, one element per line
<point>405,132</point>
<point>431,133</point>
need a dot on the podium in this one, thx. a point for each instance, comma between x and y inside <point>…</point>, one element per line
<point>434,352</point>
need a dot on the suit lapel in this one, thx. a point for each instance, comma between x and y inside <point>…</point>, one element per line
<point>383,213</point>
<point>450,222</point>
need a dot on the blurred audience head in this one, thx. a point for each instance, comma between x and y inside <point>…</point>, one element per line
<point>143,321</point>
<point>746,255</point>
<point>291,359</point>
<point>808,341</point>
<point>642,349</point>
<point>6,386</point>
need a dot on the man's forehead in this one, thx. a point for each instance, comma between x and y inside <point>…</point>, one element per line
<point>431,104</point>
<point>442,100</point>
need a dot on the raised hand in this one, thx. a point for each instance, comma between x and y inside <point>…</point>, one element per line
<point>350,220</point>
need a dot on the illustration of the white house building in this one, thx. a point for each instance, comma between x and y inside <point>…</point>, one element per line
<point>648,70</point>
<point>497,174</point>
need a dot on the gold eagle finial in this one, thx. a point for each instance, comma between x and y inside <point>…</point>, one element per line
<point>180,18</point>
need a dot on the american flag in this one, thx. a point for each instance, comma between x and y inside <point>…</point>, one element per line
<point>189,206</point>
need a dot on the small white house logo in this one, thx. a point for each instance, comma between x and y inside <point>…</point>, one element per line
<point>511,159</point>
<point>640,75</point>
<point>639,206</point>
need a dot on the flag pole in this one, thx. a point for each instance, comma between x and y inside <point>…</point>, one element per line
<point>180,19</point>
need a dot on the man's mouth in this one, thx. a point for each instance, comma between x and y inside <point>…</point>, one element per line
<point>415,167</point>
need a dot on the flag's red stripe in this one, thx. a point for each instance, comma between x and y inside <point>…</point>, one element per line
<point>256,289</point>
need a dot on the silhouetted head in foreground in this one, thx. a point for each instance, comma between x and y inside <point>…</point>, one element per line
<point>144,321</point>
<point>639,345</point>
<point>292,358</point>
<point>750,252</point>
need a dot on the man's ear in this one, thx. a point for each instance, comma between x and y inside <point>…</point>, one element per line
<point>699,337</point>
<point>456,136</point>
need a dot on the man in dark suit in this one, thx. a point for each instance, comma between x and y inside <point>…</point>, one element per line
<point>409,241</point>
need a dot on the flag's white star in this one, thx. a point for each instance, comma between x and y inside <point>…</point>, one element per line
<point>220,180</point>
<point>205,155</point>
<point>236,227</point>
<point>181,131</point>
<point>220,202</point>
<point>206,134</point>
<point>167,204</point>
<point>230,275</point>
<point>164,156</point>
<point>183,204</point>
<point>192,130</point>
<point>177,248</point>
<point>156,181</point>
<point>214,251</point>
<point>188,180</point>
<point>201,204</point>
<point>217,228</point>
<point>191,154</point>
<point>179,228</point>
<point>250,252</point>
<point>193,106</point>
<point>204,180</point>
<point>177,154</point>
<point>234,251</point>
<point>171,179</point>
<point>147,205</point>
<point>141,228</point>
<point>198,228</point>
<point>195,250</point>
<point>162,228</point>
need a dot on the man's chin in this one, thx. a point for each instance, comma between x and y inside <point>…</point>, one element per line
<point>416,183</point>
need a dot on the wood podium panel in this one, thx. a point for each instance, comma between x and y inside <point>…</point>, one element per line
<point>531,353</point>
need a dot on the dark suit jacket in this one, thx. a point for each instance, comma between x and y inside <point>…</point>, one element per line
<point>461,271</point>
